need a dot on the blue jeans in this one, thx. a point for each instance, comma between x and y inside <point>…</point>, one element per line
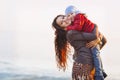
<point>97,62</point>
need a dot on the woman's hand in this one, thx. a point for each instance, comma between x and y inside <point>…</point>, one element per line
<point>93,43</point>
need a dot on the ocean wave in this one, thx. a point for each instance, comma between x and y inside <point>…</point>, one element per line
<point>10,76</point>
<point>11,72</point>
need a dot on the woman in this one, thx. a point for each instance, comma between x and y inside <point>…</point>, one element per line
<point>83,68</point>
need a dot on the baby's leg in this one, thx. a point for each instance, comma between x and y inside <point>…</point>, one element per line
<point>104,74</point>
<point>97,63</point>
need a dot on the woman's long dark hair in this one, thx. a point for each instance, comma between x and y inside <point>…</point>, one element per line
<point>61,45</point>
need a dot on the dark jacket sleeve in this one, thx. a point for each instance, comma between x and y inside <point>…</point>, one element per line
<point>76,35</point>
<point>104,41</point>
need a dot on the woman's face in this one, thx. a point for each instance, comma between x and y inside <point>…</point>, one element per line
<point>63,21</point>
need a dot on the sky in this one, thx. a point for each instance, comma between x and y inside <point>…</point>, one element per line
<point>27,38</point>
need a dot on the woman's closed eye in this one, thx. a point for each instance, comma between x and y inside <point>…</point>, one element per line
<point>63,19</point>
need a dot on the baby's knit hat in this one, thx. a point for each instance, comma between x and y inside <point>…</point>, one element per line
<point>71,9</point>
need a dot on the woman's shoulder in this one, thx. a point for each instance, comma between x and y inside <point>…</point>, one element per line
<point>70,32</point>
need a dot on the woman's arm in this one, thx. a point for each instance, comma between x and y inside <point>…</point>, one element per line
<point>93,43</point>
<point>76,35</point>
<point>95,31</point>
<point>104,41</point>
